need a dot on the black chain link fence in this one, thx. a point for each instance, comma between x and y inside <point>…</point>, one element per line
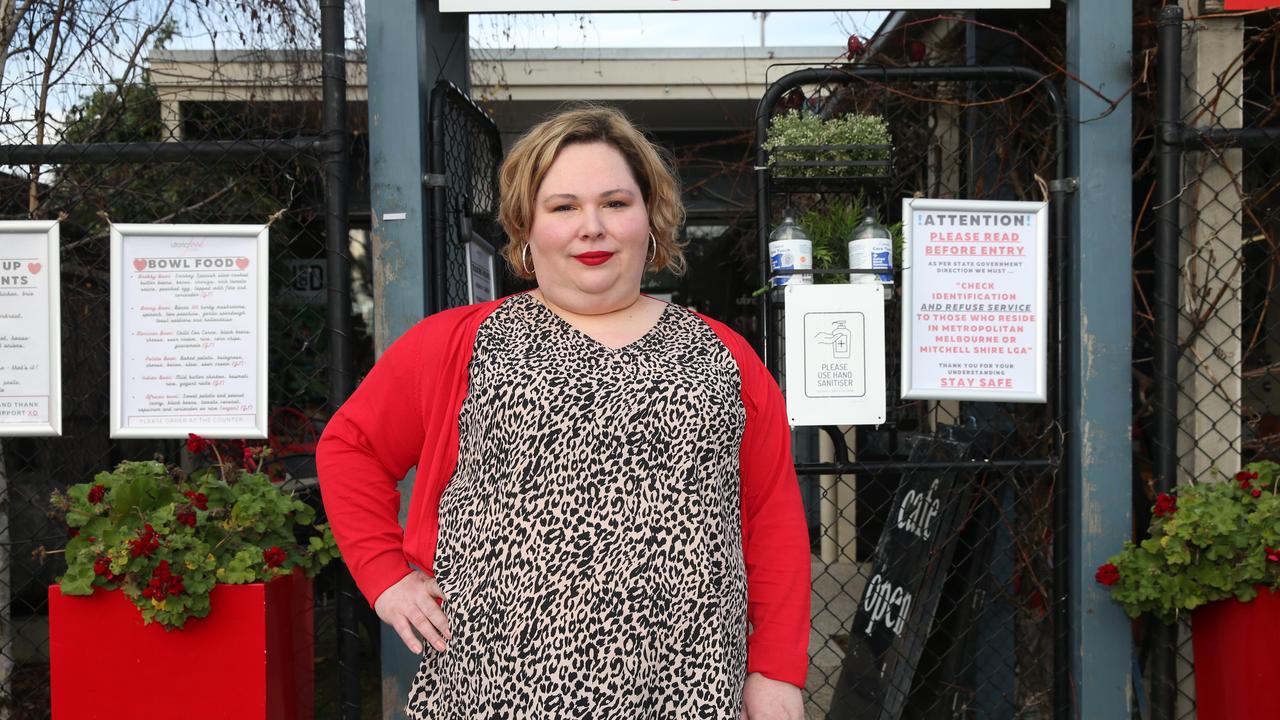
<point>201,138</point>
<point>1206,352</point>
<point>975,625</point>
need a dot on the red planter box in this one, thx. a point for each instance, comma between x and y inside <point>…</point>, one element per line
<point>1236,658</point>
<point>252,658</point>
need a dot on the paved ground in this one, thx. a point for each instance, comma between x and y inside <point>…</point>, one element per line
<point>836,590</point>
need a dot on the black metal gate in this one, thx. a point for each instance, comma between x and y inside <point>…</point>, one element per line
<point>985,634</point>
<point>466,152</point>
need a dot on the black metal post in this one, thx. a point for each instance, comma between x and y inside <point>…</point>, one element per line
<point>337,251</point>
<point>436,255</point>
<point>764,112</point>
<point>1063,704</point>
<point>1165,310</point>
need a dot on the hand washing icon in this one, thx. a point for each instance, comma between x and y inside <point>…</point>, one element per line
<point>838,338</point>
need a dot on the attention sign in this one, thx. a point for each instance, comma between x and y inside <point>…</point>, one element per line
<point>975,296</point>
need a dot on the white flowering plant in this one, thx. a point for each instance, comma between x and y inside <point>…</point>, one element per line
<point>797,136</point>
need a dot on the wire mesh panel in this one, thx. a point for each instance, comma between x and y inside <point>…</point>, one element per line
<point>1205,352</point>
<point>143,149</point>
<point>961,623</point>
<point>466,152</point>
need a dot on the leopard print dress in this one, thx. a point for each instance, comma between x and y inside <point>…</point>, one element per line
<point>590,547</point>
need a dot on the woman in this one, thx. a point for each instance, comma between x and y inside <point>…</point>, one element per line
<point>605,521</point>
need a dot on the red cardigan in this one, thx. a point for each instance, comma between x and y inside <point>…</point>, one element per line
<point>405,414</point>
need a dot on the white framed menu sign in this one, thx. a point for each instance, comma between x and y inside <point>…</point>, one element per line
<point>975,300</point>
<point>480,278</point>
<point>188,331</point>
<point>30,329</point>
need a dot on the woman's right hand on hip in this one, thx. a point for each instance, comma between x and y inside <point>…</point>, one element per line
<point>412,604</point>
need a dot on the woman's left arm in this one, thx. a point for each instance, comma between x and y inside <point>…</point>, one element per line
<point>775,536</point>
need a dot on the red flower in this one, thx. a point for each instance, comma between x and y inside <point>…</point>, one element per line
<point>102,568</point>
<point>196,444</point>
<point>1256,493</point>
<point>198,499</point>
<point>856,47</point>
<point>1107,574</point>
<point>145,544</point>
<point>1273,555</point>
<point>249,463</point>
<point>187,518</point>
<point>273,557</point>
<point>96,493</point>
<point>163,583</point>
<point>73,533</point>
<point>1166,505</point>
<point>1243,477</point>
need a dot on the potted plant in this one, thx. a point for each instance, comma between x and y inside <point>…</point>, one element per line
<point>166,569</point>
<point>1214,550</point>
<point>804,145</point>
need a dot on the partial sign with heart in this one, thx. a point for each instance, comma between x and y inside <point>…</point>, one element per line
<point>34,268</point>
<point>242,263</point>
<point>139,264</point>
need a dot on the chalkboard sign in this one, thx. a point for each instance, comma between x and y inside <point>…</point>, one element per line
<point>898,603</point>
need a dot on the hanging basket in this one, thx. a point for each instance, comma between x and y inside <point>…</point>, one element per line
<point>819,167</point>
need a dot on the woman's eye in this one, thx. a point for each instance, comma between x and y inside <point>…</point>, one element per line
<point>616,204</point>
<point>560,208</point>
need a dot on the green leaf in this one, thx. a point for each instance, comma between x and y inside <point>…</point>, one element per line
<point>78,580</point>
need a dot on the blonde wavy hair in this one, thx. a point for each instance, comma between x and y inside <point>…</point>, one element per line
<point>532,155</point>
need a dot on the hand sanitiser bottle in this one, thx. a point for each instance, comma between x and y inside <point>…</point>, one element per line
<point>790,249</point>
<point>871,248</point>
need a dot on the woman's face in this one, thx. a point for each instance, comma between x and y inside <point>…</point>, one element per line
<point>589,239</point>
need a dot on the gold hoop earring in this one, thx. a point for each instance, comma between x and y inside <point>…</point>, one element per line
<point>524,260</point>
<point>653,243</point>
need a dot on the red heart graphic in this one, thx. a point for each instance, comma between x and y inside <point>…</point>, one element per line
<point>34,268</point>
<point>139,264</point>
<point>242,263</point>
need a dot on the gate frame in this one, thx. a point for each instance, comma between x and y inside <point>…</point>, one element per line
<point>1059,189</point>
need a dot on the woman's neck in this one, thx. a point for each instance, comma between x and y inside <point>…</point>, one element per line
<point>616,327</point>
<point>592,310</point>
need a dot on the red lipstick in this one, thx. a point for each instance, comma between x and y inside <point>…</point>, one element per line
<point>593,258</point>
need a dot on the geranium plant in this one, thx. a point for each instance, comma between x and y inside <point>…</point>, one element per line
<point>1208,541</point>
<point>165,538</point>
